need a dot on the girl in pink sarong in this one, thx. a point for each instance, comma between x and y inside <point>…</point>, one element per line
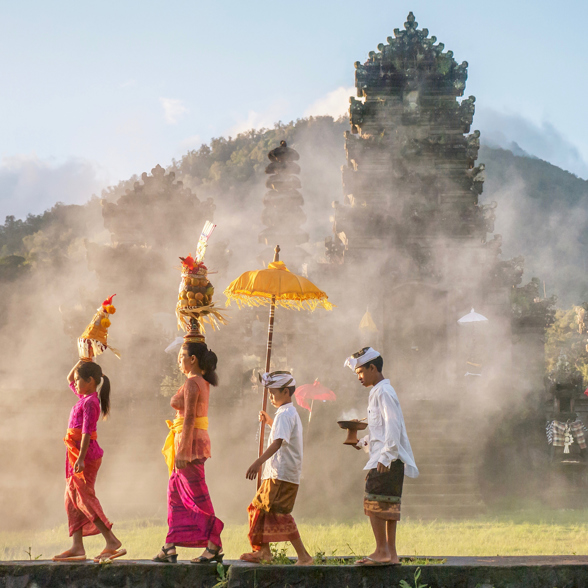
<point>191,518</point>
<point>84,457</point>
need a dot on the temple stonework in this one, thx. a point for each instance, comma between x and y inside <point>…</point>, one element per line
<point>411,240</point>
<point>410,215</point>
<point>282,214</point>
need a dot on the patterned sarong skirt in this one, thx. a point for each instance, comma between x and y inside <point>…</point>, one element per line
<point>81,504</point>
<point>270,520</point>
<point>383,492</point>
<point>190,515</point>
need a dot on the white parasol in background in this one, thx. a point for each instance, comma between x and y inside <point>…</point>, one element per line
<point>472,317</point>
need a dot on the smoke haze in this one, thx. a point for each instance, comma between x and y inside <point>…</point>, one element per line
<point>74,266</point>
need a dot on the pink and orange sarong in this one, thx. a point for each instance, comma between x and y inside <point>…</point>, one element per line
<point>81,504</point>
<point>190,514</point>
<point>270,520</point>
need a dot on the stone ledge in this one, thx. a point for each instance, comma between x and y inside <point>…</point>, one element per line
<point>459,572</point>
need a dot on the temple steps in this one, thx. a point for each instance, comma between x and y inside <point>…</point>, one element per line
<point>444,443</point>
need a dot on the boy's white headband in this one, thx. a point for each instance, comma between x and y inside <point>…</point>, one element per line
<point>361,358</point>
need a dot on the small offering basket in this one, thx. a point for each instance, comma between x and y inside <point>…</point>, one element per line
<point>352,427</point>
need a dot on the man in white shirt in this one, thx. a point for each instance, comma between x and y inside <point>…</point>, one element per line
<point>270,520</point>
<point>390,456</point>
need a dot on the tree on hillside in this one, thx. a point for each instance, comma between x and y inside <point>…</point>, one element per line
<point>567,337</point>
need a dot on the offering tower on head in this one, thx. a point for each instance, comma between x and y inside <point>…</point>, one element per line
<point>195,305</point>
<point>94,339</point>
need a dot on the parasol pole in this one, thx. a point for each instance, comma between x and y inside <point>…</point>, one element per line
<point>309,417</point>
<point>268,357</point>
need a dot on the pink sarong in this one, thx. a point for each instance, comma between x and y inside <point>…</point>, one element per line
<point>81,504</point>
<point>190,514</point>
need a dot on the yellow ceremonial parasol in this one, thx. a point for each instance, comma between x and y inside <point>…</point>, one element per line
<point>276,285</point>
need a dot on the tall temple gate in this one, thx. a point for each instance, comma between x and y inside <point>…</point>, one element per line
<point>411,241</point>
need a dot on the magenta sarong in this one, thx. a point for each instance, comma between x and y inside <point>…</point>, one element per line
<point>190,515</point>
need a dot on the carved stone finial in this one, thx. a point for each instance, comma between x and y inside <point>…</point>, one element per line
<point>411,23</point>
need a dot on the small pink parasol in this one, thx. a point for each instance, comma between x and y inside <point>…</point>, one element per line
<point>312,392</point>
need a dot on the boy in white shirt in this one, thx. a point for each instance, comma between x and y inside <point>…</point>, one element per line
<point>390,456</point>
<point>270,520</point>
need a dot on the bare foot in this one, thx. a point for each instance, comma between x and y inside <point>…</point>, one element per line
<point>304,561</point>
<point>256,556</point>
<point>377,557</point>
<point>113,545</point>
<point>77,554</point>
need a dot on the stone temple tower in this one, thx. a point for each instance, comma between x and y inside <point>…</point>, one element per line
<point>410,217</point>
<point>283,214</point>
<point>411,241</point>
<point>410,164</point>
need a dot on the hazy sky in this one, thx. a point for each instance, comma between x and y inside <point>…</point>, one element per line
<point>94,92</point>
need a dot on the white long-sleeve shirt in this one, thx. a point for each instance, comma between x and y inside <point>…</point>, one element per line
<point>387,440</point>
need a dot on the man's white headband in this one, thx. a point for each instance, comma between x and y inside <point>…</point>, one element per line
<point>361,358</point>
<point>277,379</point>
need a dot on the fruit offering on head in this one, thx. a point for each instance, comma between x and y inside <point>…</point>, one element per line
<point>195,290</point>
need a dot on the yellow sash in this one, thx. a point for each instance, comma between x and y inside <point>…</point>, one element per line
<point>175,427</point>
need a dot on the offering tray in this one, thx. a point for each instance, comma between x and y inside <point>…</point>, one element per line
<point>352,427</point>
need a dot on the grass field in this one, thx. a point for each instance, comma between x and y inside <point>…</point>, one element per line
<point>526,532</point>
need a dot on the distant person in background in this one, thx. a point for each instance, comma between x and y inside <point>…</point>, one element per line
<point>84,457</point>
<point>270,520</point>
<point>390,456</point>
<point>190,514</point>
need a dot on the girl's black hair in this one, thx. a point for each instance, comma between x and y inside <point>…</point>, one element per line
<point>206,360</point>
<point>89,369</point>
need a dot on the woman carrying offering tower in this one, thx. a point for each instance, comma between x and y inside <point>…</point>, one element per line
<point>191,518</point>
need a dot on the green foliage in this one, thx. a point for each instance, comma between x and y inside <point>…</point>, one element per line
<point>417,584</point>
<point>231,166</point>
<point>280,555</point>
<point>222,576</point>
<point>71,219</point>
<point>12,267</point>
<point>529,306</point>
<point>29,552</point>
<point>321,558</point>
<point>563,339</point>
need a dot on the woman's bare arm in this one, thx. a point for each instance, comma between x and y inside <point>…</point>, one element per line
<point>191,393</point>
